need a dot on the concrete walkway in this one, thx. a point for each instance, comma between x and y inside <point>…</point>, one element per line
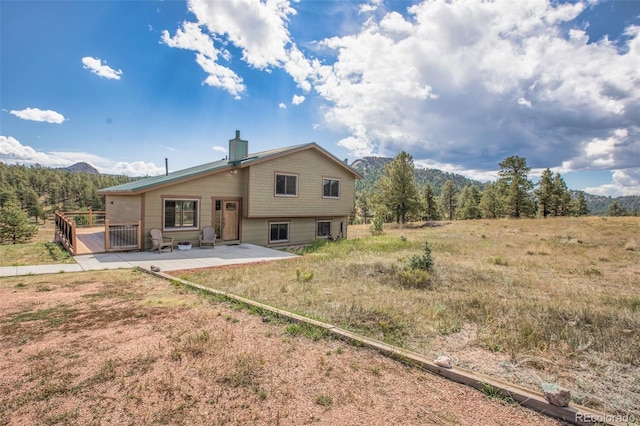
<point>166,261</point>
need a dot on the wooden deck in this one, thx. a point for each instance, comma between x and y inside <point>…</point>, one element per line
<point>90,240</point>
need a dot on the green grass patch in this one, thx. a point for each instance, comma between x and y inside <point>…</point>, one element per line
<point>307,330</point>
<point>54,316</point>
<point>33,254</point>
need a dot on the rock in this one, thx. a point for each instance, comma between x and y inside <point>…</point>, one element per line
<point>556,395</point>
<point>443,361</point>
<point>155,268</point>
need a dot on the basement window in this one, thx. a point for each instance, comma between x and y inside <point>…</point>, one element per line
<point>279,232</point>
<point>323,228</point>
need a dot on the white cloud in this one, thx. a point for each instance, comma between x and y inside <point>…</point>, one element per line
<point>218,148</point>
<point>137,168</point>
<point>524,102</point>
<point>360,147</point>
<point>13,152</point>
<point>257,28</point>
<point>624,182</point>
<point>297,100</point>
<point>281,105</point>
<point>220,76</point>
<point>395,23</point>
<point>619,150</point>
<point>96,66</point>
<point>370,7</point>
<point>191,37</point>
<point>470,83</point>
<point>35,114</point>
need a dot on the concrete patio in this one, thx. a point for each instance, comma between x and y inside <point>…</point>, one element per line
<point>167,261</point>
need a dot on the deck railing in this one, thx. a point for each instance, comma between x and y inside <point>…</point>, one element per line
<point>65,232</point>
<point>117,236</point>
<point>87,219</point>
<point>122,236</point>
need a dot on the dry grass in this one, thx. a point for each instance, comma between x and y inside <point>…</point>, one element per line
<point>123,347</point>
<point>539,300</point>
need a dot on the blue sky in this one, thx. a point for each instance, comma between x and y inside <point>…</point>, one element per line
<point>459,84</point>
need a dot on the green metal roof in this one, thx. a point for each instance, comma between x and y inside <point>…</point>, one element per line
<point>141,185</point>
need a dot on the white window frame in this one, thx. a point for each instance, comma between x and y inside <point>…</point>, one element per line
<point>323,221</point>
<point>324,179</point>
<point>288,232</point>
<point>196,218</point>
<point>275,184</point>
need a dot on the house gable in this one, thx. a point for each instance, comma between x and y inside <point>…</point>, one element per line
<point>309,168</point>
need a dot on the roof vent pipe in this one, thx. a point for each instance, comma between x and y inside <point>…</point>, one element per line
<point>166,166</point>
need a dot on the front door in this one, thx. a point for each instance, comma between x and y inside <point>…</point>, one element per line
<point>230,220</point>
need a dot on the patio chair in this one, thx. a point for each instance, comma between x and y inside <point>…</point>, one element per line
<point>208,237</point>
<point>159,242</point>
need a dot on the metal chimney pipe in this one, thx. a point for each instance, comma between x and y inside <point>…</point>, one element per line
<point>166,166</point>
<point>237,134</point>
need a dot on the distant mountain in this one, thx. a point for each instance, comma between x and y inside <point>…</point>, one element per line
<point>371,169</point>
<point>598,204</point>
<point>82,168</point>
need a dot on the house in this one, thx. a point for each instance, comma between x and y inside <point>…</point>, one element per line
<point>272,198</point>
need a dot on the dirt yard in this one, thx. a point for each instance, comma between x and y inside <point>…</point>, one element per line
<point>123,347</point>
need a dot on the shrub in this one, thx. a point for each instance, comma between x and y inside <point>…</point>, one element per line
<point>377,226</point>
<point>413,278</point>
<point>324,400</point>
<point>304,276</point>
<point>424,262</point>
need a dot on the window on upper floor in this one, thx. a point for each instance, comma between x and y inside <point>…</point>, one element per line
<point>180,214</point>
<point>286,185</point>
<point>330,188</point>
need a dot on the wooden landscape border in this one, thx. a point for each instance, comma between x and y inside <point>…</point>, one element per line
<point>575,414</point>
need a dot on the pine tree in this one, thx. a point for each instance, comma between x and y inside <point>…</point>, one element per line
<point>513,175</point>
<point>448,199</point>
<point>431,211</point>
<point>397,189</point>
<point>363,204</point>
<point>14,225</point>
<point>561,197</point>
<point>491,201</point>
<point>545,193</point>
<point>469,203</point>
<point>614,209</point>
<point>580,205</point>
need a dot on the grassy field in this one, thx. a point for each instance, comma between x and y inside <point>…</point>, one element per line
<point>536,300</point>
<point>40,251</point>
<point>124,347</point>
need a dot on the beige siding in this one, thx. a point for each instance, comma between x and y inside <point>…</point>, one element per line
<point>301,230</point>
<point>311,167</point>
<point>122,209</point>
<point>205,189</point>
